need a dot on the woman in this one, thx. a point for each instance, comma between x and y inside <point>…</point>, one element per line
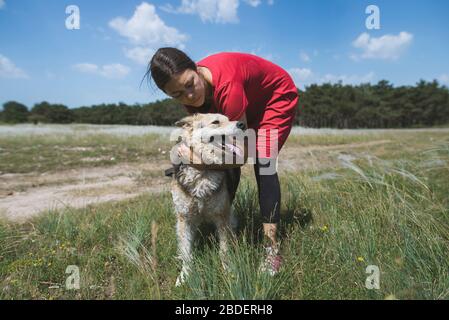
<point>245,88</point>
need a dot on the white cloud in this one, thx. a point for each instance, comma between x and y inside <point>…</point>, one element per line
<point>253,3</point>
<point>347,79</point>
<point>140,55</point>
<point>114,71</point>
<point>147,31</point>
<point>2,3</point>
<point>227,11</point>
<point>217,11</point>
<point>444,78</point>
<point>305,77</point>
<point>388,47</point>
<point>304,57</point>
<point>301,75</point>
<point>9,70</point>
<point>214,11</point>
<point>146,28</point>
<point>86,67</point>
<point>110,71</point>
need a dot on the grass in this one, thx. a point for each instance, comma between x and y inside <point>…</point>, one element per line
<point>334,139</point>
<point>43,153</point>
<point>59,151</point>
<point>81,146</point>
<point>391,211</point>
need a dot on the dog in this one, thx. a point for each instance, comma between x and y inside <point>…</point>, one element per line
<point>201,194</point>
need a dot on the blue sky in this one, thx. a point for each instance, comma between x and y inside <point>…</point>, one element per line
<point>316,41</point>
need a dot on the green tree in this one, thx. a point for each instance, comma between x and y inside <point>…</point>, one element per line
<point>51,113</point>
<point>14,112</point>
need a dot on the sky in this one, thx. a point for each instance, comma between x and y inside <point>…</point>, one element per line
<point>45,55</point>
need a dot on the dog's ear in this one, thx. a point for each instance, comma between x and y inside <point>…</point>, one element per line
<point>185,122</point>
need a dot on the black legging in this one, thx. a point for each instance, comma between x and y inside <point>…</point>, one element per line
<point>269,190</point>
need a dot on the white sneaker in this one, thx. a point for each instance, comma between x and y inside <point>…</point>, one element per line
<point>272,262</point>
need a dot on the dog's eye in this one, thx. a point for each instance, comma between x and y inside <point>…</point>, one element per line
<point>216,122</point>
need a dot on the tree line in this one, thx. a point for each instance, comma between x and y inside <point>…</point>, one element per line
<point>163,113</point>
<point>374,106</point>
<point>326,105</point>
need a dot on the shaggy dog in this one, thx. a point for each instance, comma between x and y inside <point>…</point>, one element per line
<point>201,194</point>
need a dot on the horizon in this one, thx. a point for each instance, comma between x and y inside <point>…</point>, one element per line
<point>140,104</point>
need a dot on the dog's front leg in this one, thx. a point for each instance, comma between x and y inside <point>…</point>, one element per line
<point>184,231</point>
<point>223,229</point>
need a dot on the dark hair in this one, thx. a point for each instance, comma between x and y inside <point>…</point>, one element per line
<point>165,63</point>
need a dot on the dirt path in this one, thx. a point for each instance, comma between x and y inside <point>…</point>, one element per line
<point>23,196</point>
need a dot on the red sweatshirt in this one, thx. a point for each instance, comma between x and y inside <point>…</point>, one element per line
<point>245,83</point>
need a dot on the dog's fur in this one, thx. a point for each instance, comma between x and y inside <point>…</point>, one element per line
<point>202,195</point>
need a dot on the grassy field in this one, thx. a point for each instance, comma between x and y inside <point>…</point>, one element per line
<point>383,204</point>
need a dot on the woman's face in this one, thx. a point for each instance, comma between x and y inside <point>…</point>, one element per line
<point>187,87</point>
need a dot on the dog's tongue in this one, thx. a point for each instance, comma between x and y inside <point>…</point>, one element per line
<point>238,151</point>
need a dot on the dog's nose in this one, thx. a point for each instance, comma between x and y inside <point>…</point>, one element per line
<point>241,125</point>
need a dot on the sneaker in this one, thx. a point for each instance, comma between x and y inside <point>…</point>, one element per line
<point>272,262</point>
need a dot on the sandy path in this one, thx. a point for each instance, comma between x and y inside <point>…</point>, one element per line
<point>76,188</point>
<point>16,182</point>
<point>23,196</point>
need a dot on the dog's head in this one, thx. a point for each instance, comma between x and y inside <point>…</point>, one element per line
<point>212,135</point>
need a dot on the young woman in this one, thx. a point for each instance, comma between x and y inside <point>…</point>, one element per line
<point>245,88</point>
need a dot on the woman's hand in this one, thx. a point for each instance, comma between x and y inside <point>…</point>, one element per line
<point>184,152</point>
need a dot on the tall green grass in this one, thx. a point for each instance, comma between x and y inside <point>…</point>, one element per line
<point>393,214</point>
